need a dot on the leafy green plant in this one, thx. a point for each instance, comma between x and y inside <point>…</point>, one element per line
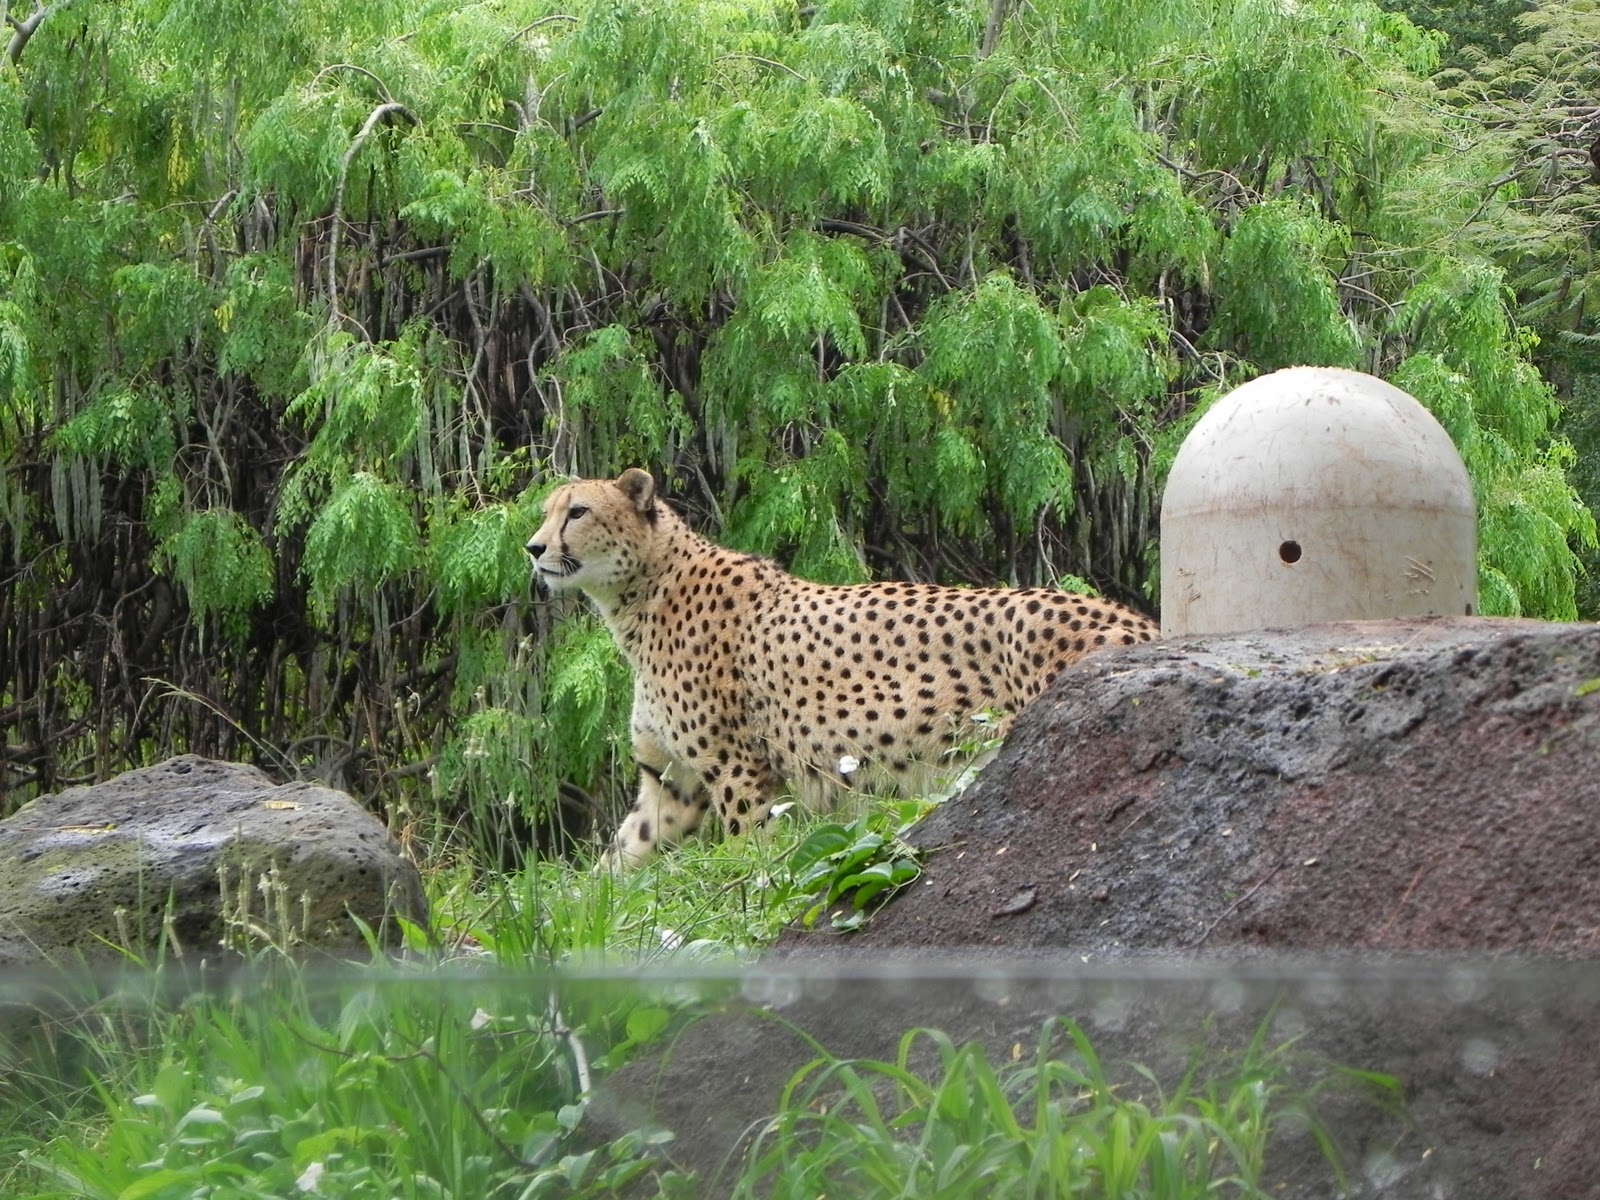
<point>221,563</point>
<point>1056,1126</point>
<point>853,861</point>
<point>401,1087</point>
<point>707,900</point>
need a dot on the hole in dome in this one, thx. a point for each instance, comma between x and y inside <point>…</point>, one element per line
<point>1290,552</point>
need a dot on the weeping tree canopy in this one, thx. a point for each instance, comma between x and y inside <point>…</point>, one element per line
<point>304,307</point>
<point>1532,91</point>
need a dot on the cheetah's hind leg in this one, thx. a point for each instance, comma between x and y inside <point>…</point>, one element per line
<point>672,800</point>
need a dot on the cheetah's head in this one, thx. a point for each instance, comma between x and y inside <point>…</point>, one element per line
<point>596,533</point>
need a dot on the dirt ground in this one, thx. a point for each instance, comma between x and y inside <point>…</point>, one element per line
<point>1380,837</point>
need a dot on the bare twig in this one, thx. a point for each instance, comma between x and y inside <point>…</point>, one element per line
<point>532,25</point>
<point>420,255</point>
<point>471,391</point>
<point>1259,884</point>
<point>855,228</point>
<point>765,62</point>
<point>1400,904</point>
<point>383,89</point>
<point>494,125</point>
<point>580,1059</point>
<point>208,229</point>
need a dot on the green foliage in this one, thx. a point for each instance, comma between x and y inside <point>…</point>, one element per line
<point>795,510</point>
<point>363,537</point>
<point>160,308</point>
<point>221,563</point>
<point>365,401</point>
<point>1278,298</point>
<point>853,860</point>
<point>1057,1126</point>
<point>130,426</point>
<point>608,388</point>
<point>590,691</point>
<point>492,757</point>
<point>1474,29</point>
<point>305,307</point>
<point>1529,84</point>
<point>264,332</point>
<point>296,1087</point>
<point>478,559</point>
<point>1501,415</point>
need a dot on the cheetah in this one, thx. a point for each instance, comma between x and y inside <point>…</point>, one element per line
<point>746,678</point>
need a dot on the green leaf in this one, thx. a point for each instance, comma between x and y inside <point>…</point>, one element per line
<point>646,1022</point>
<point>825,841</point>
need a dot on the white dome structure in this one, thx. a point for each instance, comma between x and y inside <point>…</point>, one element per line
<point>1315,494</point>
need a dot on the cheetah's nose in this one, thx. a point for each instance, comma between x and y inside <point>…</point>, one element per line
<point>535,549</point>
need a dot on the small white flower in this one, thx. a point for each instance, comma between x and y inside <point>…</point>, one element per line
<point>671,938</point>
<point>849,765</point>
<point>309,1178</point>
<point>983,718</point>
<point>779,809</point>
<point>480,1019</point>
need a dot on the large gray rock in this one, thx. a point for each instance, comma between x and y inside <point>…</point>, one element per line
<point>94,870</point>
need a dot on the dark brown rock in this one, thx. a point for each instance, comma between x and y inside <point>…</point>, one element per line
<point>1429,785</point>
<point>1367,786</point>
<point>1382,837</point>
<point>1370,791</point>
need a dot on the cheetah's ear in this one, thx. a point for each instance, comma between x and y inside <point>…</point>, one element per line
<point>639,487</point>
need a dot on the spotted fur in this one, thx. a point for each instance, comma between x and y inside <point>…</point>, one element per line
<point>746,678</point>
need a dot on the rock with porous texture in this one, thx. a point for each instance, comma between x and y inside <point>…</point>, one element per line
<point>1375,840</point>
<point>91,871</point>
<point>1420,792</point>
<point>1422,784</point>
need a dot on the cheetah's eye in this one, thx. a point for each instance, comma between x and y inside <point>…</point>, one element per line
<point>576,511</point>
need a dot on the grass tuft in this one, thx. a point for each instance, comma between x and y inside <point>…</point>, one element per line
<point>1052,1129</point>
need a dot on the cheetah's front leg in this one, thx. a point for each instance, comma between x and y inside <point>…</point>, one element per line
<point>672,800</point>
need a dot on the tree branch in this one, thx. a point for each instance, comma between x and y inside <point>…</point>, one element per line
<point>991,31</point>
<point>23,30</point>
<point>762,61</point>
<point>382,113</point>
<point>529,28</point>
<point>208,230</point>
<point>383,89</point>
